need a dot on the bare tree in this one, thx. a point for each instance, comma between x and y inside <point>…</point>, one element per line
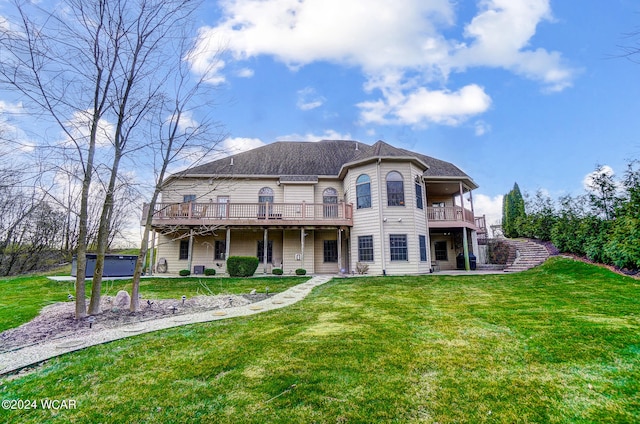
<point>64,66</point>
<point>177,135</point>
<point>96,68</point>
<point>138,31</point>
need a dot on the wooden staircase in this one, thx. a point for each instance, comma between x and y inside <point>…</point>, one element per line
<point>524,255</point>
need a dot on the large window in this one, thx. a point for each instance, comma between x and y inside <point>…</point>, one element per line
<point>395,189</point>
<point>423,248</point>
<point>365,248</point>
<point>440,248</point>
<point>363,192</point>
<point>330,201</point>
<point>398,247</point>
<point>220,250</point>
<point>331,251</point>
<point>189,198</point>
<point>184,250</point>
<point>260,253</point>
<point>419,201</point>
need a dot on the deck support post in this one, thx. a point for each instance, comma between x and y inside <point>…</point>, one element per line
<point>340,250</point>
<point>465,242</point>
<point>227,248</point>
<point>150,270</point>
<point>190,256</point>
<point>265,250</point>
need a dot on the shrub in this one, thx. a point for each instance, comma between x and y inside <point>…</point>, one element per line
<point>184,272</point>
<point>362,268</point>
<point>242,266</point>
<point>276,271</point>
<point>301,271</point>
<point>209,271</point>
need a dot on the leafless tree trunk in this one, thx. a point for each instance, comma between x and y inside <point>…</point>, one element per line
<point>141,33</point>
<point>174,139</point>
<point>61,65</point>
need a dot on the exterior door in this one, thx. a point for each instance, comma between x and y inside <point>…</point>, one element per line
<point>223,206</point>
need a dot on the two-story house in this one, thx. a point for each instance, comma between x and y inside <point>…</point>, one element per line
<point>329,207</point>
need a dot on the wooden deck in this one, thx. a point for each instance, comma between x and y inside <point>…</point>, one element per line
<point>252,214</point>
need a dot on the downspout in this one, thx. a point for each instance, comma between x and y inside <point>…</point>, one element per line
<point>381,218</point>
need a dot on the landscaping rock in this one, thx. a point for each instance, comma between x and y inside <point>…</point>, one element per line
<point>122,300</point>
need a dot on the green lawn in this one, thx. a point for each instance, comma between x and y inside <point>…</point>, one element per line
<point>557,344</point>
<point>21,298</point>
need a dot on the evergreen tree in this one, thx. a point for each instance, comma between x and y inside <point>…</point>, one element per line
<point>513,212</point>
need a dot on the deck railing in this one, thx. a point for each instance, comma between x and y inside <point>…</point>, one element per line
<point>454,214</point>
<point>252,212</point>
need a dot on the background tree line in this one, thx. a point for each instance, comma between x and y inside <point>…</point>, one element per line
<point>602,224</point>
<point>111,88</point>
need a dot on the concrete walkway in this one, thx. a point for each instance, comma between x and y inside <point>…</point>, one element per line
<point>34,354</point>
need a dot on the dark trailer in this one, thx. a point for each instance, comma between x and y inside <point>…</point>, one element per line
<point>114,265</point>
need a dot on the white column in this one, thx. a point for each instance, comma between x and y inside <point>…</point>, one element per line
<point>465,243</point>
<point>265,248</point>
<point>190,256</point>
<point>340,250</point>
<point>302,247</point>
<point>151,255</point>
<point>227,248</point>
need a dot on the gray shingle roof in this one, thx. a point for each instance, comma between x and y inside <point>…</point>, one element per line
<point>323,158</point>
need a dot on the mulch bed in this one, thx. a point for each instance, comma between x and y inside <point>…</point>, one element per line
<point>58,320</point>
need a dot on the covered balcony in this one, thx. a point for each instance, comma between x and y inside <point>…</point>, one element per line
<point>251,214</point>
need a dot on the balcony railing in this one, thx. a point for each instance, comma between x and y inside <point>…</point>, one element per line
<point>450,214</point>
<point>252,213</point>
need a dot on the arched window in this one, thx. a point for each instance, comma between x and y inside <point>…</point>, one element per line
<point>363,192</point>
<point>395,189</point>
<point>330,201</point>
<point>265,195</point>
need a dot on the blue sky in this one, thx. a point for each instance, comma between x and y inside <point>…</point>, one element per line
<point>526,91</point>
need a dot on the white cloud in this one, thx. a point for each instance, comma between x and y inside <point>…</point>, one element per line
<point>234,145</point>
<point>309,99</point>
<point>245,73</point>
<point>489,206</point>
<point>80,125</point>
<point>327,135</point>
<point>588,180</point>
<point>481,128</point>
<point>500,35</point>
<point>403,47</point>
<point>422,106</point>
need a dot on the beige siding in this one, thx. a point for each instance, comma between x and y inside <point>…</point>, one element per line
<point>298,193</point>
<point>239,190</point>
<point>366,221</point>
<point>400,219</point>
<point>450,263</point>
<point>169,250</point>
<point>322,267</point>
<point>324,184</point>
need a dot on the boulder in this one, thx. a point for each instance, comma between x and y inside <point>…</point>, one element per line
<point>122,300</point>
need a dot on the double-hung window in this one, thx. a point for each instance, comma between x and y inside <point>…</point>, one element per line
<point>398,247</point>
<point>365,248</point>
